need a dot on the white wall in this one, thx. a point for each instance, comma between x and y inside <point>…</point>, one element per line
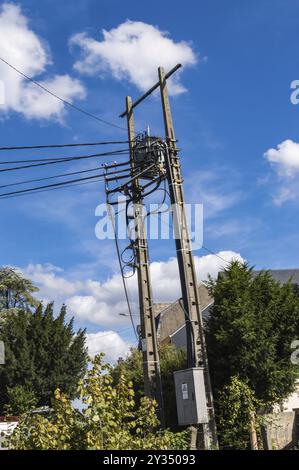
<point>293,401</point>
<point>5,428</point>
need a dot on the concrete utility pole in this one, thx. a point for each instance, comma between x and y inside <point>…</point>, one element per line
<point>151,365</point>
<point>149,157</point>
<point>196,349</point>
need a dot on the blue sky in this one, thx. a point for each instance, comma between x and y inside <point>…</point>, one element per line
<point>235,108</point>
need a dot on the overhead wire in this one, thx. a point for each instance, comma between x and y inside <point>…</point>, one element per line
<point>51,146</point>
<point>126,291</point>
<point>53,189</point>
<point>23,191</point>
<point>62,184</point>
<point>113,332</point>
<point>68,103</point>
<point>59,176</point>
<point>122,275</point>
<point>62,160</point>
<point>215,254</point>
<point>46,159</point>
<point>53,161</point>
<point>18,183</point>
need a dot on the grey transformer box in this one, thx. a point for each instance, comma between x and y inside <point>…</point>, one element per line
<point>190,396</point>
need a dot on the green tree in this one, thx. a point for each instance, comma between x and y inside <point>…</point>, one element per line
<point>20,401</point>
<point>42,353</point>
<point>237,405</point>
<point>171,359</point>
<point>249,332</point>
<point>110,419</point>
<point>15,290</point>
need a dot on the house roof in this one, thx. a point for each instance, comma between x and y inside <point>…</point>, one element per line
<point>284,275</point>
<point>170,317</point>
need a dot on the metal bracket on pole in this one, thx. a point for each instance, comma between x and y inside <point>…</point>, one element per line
<point>150,91</point>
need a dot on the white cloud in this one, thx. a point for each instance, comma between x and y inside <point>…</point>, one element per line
<point>108,342</point>
<point>99,303</point>
<point>50,279</point>
<point>35,103</point>
<point>214,189</point>
<point>94,302</point>
<point>132,51</point>
<point>22,47</point>
<point>286,195</point>
<point>285,161</point>
<point>285,158</point>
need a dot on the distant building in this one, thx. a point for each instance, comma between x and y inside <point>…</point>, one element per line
<point>170,318</point>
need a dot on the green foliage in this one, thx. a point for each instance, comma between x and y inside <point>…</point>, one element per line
<point>171,359</point>
<point>132,368</point>
<point>237,404</point>
<point>20,401</point>
<point>109,419</point>
<point>249,332</point>
<point>15,291</point>
<point>42,353</point>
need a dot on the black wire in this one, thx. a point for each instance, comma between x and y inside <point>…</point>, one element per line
<point>60,176</point>
<point>48,178</point>
<point>122,274</point>
<point>127,262</point>
<point>50,185</point>
<point>48,159</point>
<point>52,146</point>
<point>62,160</point>
<point>53,189</point>
<point>155,188</point>
<point>158,210</point>
<point>87,113</point>
<point>215,254</point>
<point>112,217</point>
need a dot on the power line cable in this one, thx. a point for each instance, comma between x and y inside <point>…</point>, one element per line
<point>56,186</point>
<point>52,146</point>
<point>48,178</point>
<point>53,189</point>
<point>47,159</point>
<point>22,191</point>
<point>121,270</point>
<point>215,254</point>
<point>68,103</point>
<point>59,176</point>
<point>61,160</point>
<point>113,332</point>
